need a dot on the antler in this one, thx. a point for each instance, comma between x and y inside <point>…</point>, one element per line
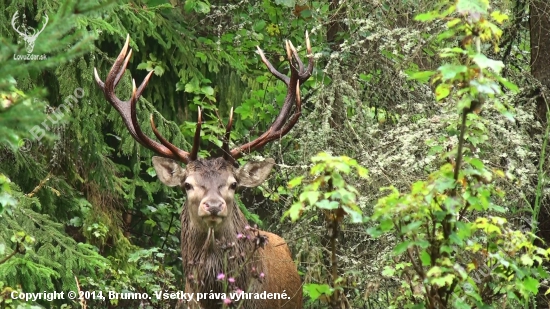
<point>16,28</point>
<point>298,75</point>
<point>127,110</point>
<point>43,26</point>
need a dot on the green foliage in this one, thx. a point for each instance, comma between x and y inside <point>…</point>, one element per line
<point>21,106</point>
<point>328,190</point>
<point>455,254</point>
<point>42,256</point>
<point>6,198</point>
<point>92,190</point>
<point>314,291</point>
<point>251,217</point>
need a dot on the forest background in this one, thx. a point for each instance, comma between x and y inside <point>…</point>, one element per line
<point>81,208</point>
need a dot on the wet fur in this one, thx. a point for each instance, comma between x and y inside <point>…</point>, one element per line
<point>204,263</point>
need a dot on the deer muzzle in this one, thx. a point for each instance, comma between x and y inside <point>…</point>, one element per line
<point>213,211</point>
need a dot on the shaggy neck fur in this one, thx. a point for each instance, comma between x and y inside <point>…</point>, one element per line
<point>203,263</point>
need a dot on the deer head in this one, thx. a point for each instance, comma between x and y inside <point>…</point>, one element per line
<point>29,34</point>
<point>210,210</point>
<point>210,184</point>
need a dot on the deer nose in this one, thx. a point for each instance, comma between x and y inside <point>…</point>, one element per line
<point>213,207</point>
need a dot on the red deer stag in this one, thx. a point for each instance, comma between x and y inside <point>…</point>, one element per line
<point>220,252</point>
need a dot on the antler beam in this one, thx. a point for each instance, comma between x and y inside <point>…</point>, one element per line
<point>281,126</point>
<point>298,75</point>
<point>127,110</point>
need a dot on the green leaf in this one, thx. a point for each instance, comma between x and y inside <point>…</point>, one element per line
<point>487,86</point>
<point>159,70</point>
<point>477,163</point>
<point>151,171</point>
<point>314,291</point>
<point>362,172</point>
<point>531,285</point>
<point>355,214</point>
<point>189,5</point>
<point>425,258</point>
<point>427,16</point>
<point>450,71</point>
<point>202,7</point>
<point>7,200</point>
<point>483,62</point>
<point>305,13</point>
<point>192,86</point>
<point>423,76</point>
<point>374,232</point>
<point>473,8</point>
<point>460,303</point>
<point>295,182</point>
<point>388,271</point>
<point>310,196</point>
<point>411,227</point>
<point>201,56</point>
<point>499,17</point>
<point>386,225</point>
<point>508,115</point>
<point>442,91</point>
<point>76,221</point>
<point>144,65</point>
<point>511,86</point>
<point>401,247</point>
<point>150,223</point>
<point>365,77</point>
<point>207,90</point>
<point>287,3</point>
<point>453,22</point>
<point>443,184</point>
<point>259,25</point>
<point>526,260</point>
<point>326,204</point>
<point>294,211</point>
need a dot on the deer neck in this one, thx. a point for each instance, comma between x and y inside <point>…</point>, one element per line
<point>225,253</point>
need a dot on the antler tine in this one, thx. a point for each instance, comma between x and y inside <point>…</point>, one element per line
<point>304,75</point>
<point>296,57</point>
<point>44,24</point>
<point>296,115</point>
<point>225,147</point>
<point>120,71</point>
<point>13,19</point>
<point>98,80</point>
<point>166,143</point>
<point>298,75</point>
<point>127,109</point>
<point>271,68</point>
<point>272,135</point>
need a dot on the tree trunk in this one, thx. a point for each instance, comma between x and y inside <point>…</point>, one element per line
<point>539,24</point>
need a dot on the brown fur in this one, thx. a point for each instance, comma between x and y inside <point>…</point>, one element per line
<point>203,260</point>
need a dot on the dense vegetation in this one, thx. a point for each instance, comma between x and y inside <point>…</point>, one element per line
<point>417,176</point>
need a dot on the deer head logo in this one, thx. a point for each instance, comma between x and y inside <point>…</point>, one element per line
<point>29,34</point>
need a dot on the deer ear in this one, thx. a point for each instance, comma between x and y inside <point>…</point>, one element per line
<point>169,171</point>
<point>252,174</point>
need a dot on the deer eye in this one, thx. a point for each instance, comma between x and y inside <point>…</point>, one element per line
<point>187,186</point>
<point>233,185</point>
